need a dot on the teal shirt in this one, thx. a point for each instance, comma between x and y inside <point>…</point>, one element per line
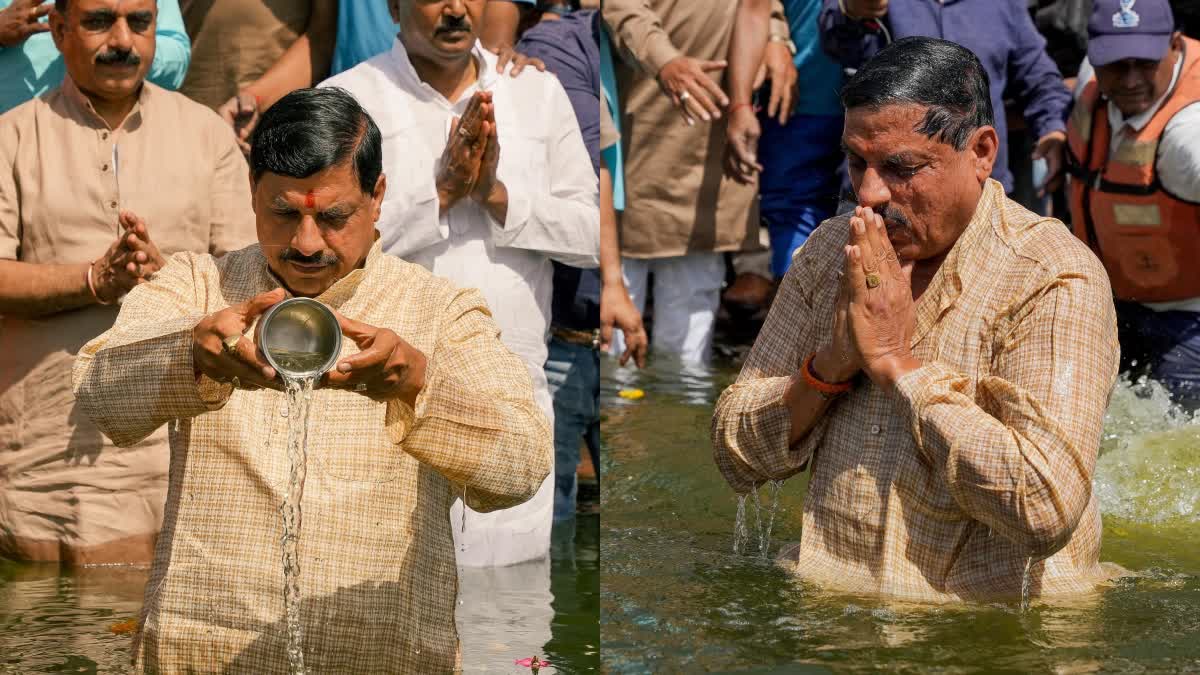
<point>819,78</point>
<point>34,67</point>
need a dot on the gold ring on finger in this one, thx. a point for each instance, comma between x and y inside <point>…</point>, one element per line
<point>230,343</point>
<point>873,280</point>
<point>237,384</point>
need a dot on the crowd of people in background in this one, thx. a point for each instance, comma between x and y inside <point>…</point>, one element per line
<point>707,131</point>
<point>731,129</point>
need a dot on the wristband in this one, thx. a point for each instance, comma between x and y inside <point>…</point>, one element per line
<point>92,286</point>
<point>827,390</point>
<point>733,108</point>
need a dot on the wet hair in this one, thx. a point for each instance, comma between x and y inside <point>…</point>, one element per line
<point>945,78</point>
<point>311,130</point>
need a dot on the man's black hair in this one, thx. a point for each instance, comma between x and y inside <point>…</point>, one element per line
<point>310,130</point>
<point>941,76</point>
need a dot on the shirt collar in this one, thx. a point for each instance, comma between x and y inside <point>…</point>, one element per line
<point>83,104</point>
<point>409,79</point>
<point>963,258</point>
<point>1140,120</point>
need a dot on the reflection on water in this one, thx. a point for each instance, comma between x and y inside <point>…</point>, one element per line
<point>51,621</point>
<point>676,598</point>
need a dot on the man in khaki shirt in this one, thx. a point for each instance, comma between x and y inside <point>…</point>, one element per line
<point>425,405</point>
<point>100,179</point>
<point>942,360</point>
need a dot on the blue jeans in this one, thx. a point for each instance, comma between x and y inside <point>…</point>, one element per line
<point>573,372</point>
<point>799,182</point>
<point>1165,345</point>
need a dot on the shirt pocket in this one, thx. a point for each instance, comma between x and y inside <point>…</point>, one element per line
<point>347,440</point>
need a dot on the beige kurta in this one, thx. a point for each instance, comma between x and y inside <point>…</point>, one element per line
<point>376,556</point>
<point>981,463</point>
<point>65,492</point>
<point>234,42</point>
<point>678,199</point>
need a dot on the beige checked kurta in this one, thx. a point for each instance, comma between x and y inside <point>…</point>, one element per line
<point>983,458</point>
<point>377,563</point>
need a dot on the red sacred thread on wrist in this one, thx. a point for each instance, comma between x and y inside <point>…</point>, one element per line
<point>92,286</point>
<point>734,108</point>
<point>811,379</point>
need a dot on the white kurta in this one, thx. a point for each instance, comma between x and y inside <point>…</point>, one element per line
<point>553,214</point>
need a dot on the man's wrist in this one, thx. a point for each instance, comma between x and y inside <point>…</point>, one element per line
<point>888,370</point>
<point>832,369</point>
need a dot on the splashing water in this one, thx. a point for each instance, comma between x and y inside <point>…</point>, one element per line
<point>299,396</point>
<point>1025,584</point>
<point>740,533</point>
<point>741,530</point>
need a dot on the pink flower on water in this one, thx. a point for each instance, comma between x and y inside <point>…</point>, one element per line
<point>529,662</point>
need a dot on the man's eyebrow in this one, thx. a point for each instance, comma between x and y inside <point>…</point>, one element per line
<point>143,15</point>
<point>280,203</point>
<point>904,159</point>
<point>341,210</point>
<point>104,13</point>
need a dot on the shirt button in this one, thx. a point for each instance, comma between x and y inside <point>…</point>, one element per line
<point>875,429</point>
<point>112,205</point>
<point>105,167</point>
<point>104,135</point>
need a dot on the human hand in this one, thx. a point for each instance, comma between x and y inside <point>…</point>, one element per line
<point>781,70</point>
<point>241,113</point>
<point>459,166</point>
<point>22,19</point>
<point>617,310</point>
<point>131,260</point>
<point>221,350</point>
<point>839,360</point>
<point>506,55</point>
<point>487,185</point>
<point>865,9</point>
<point>386,368</point>
<point>741,148</point>
<point>881,312</point>
<point>1052,148</point>
<point>686,81</point>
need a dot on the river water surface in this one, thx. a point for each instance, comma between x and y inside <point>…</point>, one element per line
<point>676,598</point>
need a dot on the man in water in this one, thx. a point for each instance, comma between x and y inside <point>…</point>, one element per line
<point>425,405</point>
<point>942,358</point>
<point>1134,162</point>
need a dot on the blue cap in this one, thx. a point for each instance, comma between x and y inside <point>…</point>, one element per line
<point>1129,29</point>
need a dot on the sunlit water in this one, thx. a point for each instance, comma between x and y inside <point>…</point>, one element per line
<point>676,597</point>
<point>299,396</point>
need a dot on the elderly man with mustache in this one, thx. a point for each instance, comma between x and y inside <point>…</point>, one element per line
<point>942,359</point>
<point>100,180</point>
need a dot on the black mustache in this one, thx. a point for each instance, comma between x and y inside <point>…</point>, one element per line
<point>321,258</point>
<point>119,57</point>
<point>453,24</point>
<point>890,214</point>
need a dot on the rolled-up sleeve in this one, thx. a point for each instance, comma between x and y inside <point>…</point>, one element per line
<point>1018,451</point>
<point>476,421</point>
<point>173,48</point>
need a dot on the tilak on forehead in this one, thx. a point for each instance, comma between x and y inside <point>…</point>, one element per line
<point>310,200</point>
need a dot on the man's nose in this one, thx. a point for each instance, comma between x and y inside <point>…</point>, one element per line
<point>872,190</point>
<point>120,38</point>
<point>307,239</point>
<point>455,8</point>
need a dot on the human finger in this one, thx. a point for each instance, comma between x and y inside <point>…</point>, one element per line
<point>854,274</point>
<point>759,77</point>
<point>42,9</point>
<point>249,355</point>
<point>357,331</point>
<point>859,239</point>
<point>712,66</point>
<point>699,105</point>
<point>877,240</point>
<point>250,309</point>
<point>787,102</point>
<point>681,106</point>
<point>715,91</point>
<point>502,59</point>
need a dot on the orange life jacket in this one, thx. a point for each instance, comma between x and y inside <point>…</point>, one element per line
<point>1144,235</point>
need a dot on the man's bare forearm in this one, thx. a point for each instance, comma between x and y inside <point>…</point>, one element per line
<point>750,33</point>
<point>610,244</point>
<point>31,290</point>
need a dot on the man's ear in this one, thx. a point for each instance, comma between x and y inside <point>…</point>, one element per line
<point>377,197</point>
<point>58,27</point>
<point>983,146</point>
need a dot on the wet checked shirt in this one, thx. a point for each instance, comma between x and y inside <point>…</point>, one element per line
<point>377,567</point>
<point>982,461</point>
